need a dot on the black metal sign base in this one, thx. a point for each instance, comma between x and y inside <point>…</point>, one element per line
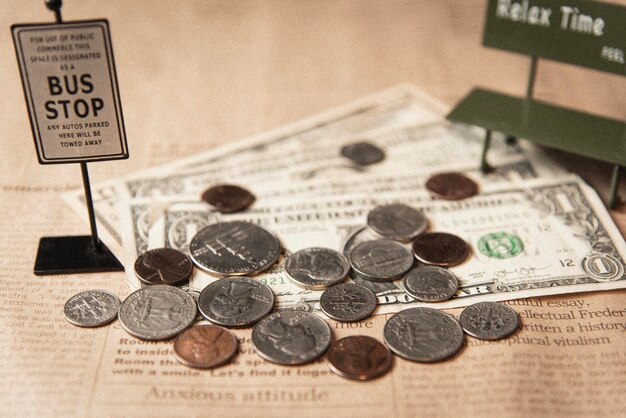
<point>77,254</point>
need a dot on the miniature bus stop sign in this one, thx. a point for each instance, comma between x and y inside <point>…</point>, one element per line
<point>71,92</point>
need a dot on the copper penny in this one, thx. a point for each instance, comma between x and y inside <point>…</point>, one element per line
<point>451,186</point>
<point>440,249</point>
<point>205,346</point>
<point>228,198</point>
<point>359,357</point>
<point>163,266</point>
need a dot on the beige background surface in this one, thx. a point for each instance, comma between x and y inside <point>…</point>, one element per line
<point>194,75</point>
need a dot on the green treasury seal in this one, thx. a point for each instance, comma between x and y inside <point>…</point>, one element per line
<point>500,245</point>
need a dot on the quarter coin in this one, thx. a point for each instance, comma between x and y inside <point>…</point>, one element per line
<point>234,249</point>
<point>397,222</point>
<point>91,308</point>
<point>157,312</point>
<point>205,346</point>
<point>489,320</point>
<point>235,301</point>
<point>430,284</point>
<point>359,357</point>
<point>451,186</point>
<point>440,249</point>
<point>228,198</point>
<point>348,302</point>
<point>363,153</point>
<point>423,335</point>
<point>291,337</point>
<point>317,268</point>
<point>163,266</point>
<point>381,260</point>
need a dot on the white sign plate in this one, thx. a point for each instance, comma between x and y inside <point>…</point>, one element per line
<point>70,84</point>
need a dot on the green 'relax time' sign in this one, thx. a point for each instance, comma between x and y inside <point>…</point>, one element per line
<point>585,33</point>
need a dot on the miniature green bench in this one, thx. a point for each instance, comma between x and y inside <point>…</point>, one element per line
<point>579,32</point>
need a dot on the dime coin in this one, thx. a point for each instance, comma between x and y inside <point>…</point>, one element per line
<point>440,249</point>
<point>317,268</point>
<point>205,346</point>
<point>235,301</point>
<point>397,222</point>
<point>157,312</point>
<point>423,334</point>
<point>359,357</point>
<point>163,266</point>
<point>363,153</point>
<point>348,302</point>
<point>234,249</point>
<point>291,337</point>
<point>489,320</point>
<point>430,284</point>
<point>381,260</point>
<point>91,308</point>
<point>451,186</point>
<point>228,198</point>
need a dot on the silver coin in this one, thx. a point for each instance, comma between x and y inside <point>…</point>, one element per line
<point>363,153</point>
<point>235,301</point>
<point>397,222</point>
<point>348,302</point>
<point>381,260</point>
<point>357,237</point>
<point>430,284</point>
<point>234,249</point>
<point>291,337</point>
<point>91,308</point>
<point>157,312</point>
<point>489,320</point>
<point>423,335</point>
<point>317,268</point>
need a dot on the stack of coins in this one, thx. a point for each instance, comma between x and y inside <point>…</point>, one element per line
<point>394,245</point>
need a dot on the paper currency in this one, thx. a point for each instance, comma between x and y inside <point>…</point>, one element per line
<point>534,239</point>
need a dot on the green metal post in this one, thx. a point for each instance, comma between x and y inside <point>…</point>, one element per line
<point>613,199</point>
<point>530,88</point>
<point>484,165</point>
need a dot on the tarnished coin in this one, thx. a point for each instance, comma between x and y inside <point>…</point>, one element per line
<point>317,268</point>
<point>228,198</point>
<point>348,302</point>
<point>291,337</point>
<point>163,266</point>
<point>359,357</point>
<point>91,308</point>
<point>430,284</point>
<point>451,186</point>
<point>440,249</point>
<point>381,260</point>
<point>234,249</point>
<point>363,153</point>
<point>205,346</point>
<point>157,312</point>
<point>235,301</point>
<point>489,320</point>
<point>397,222</point>
<point>423,334</point>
